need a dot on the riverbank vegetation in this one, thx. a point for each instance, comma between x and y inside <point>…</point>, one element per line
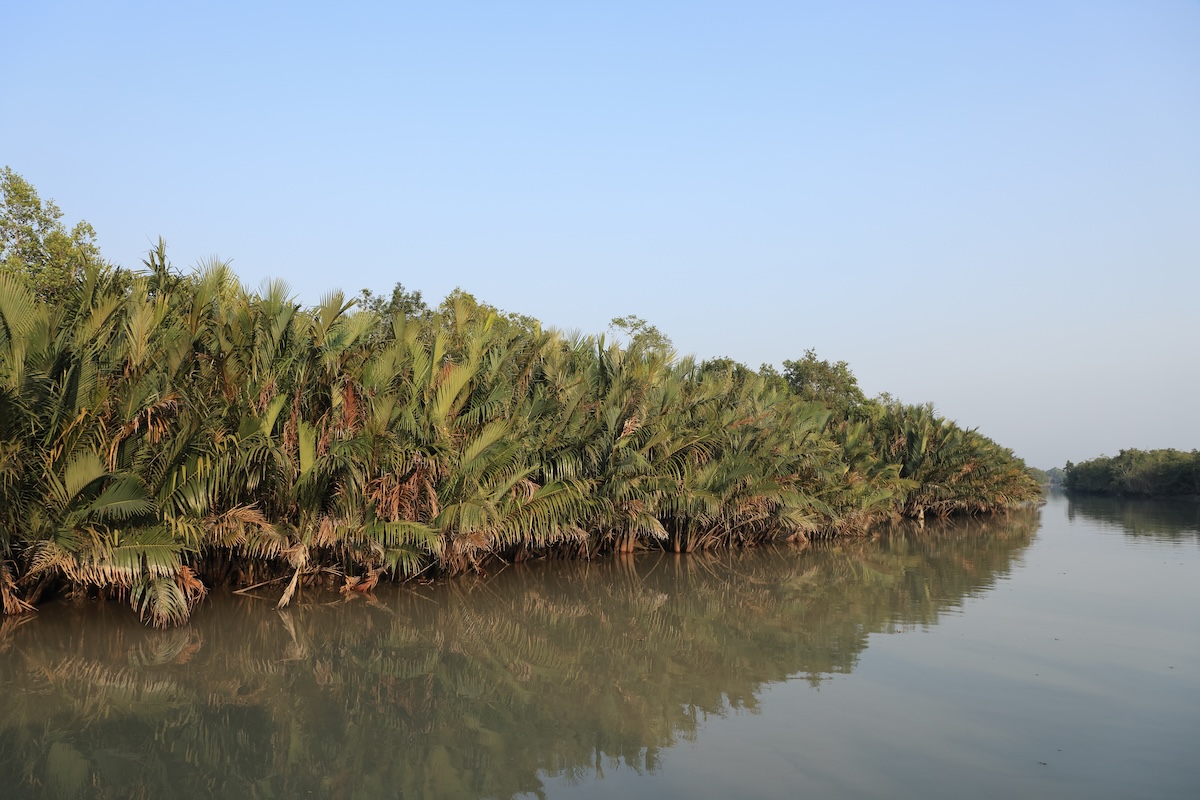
<point>163,432</point>
<point>1137,473</point>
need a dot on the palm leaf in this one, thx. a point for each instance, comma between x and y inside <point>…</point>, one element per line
<point>122,500</point>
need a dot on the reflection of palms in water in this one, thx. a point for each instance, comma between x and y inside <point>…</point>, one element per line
<point>472,688</point>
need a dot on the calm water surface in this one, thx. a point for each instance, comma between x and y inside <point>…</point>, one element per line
<point>1047,654</point>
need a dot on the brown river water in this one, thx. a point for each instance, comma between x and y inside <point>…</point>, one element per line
<point>1048,653</point>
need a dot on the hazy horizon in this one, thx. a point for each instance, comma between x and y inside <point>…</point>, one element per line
<point>991,207</point>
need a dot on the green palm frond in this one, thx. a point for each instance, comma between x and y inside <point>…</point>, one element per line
<point>122,500</point>
<point>160,600</point>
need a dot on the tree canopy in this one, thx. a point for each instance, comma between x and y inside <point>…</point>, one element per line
<point>36,244</point>
<point>1146,473</point>
<point>830,383</point>
<point>640,333</point>
<point>400,301</point>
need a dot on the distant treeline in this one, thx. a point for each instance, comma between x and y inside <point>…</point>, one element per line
<point>164,432</point>
<point>1145,473</point>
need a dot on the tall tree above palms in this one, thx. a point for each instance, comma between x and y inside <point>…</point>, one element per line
<point>36,244</point>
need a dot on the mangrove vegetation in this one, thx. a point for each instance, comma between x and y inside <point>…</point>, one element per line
<point>163,432</point>
<point>1137,473</point>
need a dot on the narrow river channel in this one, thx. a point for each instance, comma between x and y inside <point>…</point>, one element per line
<point>1048,653</point>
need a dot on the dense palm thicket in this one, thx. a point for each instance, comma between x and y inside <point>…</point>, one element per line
<point>1140,473</point>
<point>160,433</point>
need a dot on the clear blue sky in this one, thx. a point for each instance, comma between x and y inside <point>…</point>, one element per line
<point>991,206</point>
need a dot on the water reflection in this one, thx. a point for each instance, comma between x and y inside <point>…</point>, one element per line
<point>478,688</point>
<point>1159,519</point>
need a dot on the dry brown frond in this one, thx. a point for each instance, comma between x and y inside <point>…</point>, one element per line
<point>11,601</point>
<point>229,528</point>
<point>393,500</point>
<point>291,431</point>
<point>46,556</point>
<point>297,555</point>
<point>287,595</point>
<point>193,588</point>
<point>431,495</point>
<point>327,535</point>
<point>351,409</point>
<point>156,421</point>
<point>266,395</point>
<point>362,583</point>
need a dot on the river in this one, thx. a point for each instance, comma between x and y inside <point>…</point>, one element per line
<point>1047,653</point>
